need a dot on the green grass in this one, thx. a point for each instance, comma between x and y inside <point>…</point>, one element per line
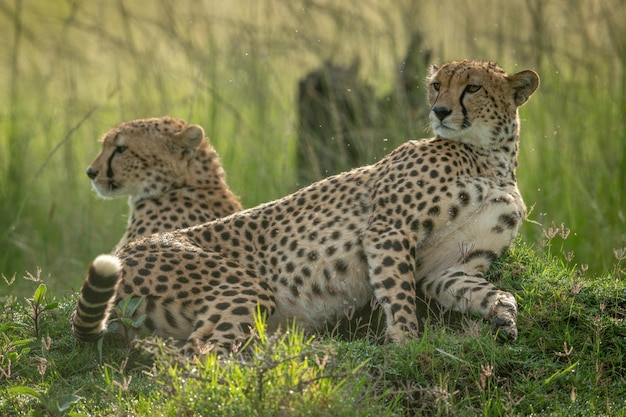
<point>568,361</point>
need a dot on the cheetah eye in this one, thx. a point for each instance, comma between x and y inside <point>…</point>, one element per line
<point>436,86</point>
<point>472,88</point>
<point>120,148</point>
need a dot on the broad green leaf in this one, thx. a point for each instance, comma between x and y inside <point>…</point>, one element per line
<point>127,322</point>
<point>137,322</point>
<point>132,306</point>
<point>27,391</point>
<point>51,306</point>
<point>40,293</point>
<point>23,341</point>
<point>66,402</point>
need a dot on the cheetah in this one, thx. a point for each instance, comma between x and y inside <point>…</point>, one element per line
<point>171,173</point>
<point>433,214</point>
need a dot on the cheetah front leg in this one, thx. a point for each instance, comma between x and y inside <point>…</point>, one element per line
<point>463,288</point>
<point>465,291</point>
<point>392,276</point>
<point>452,269</point>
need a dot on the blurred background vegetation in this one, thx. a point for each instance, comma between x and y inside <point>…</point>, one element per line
<point>70,70</point>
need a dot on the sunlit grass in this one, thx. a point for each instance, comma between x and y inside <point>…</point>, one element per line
<point>568,361</point>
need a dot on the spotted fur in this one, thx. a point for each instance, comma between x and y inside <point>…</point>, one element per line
<point>433,214</point>
<point>171,173</point>
<point>174,179</point>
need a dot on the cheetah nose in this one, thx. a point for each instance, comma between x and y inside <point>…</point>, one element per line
<point>441,112</point>
<point>92,173</point>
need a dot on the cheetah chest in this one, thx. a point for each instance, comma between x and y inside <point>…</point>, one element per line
<point>488,223</point>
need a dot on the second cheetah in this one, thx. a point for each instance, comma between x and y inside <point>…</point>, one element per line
<point>171,173</point>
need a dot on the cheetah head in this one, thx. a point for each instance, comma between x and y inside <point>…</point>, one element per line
<point>144,158</point>
<point>475,102</point>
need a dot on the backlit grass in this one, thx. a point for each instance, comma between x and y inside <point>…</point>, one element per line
<point>568,361</point>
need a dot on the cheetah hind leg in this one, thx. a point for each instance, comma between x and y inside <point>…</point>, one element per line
<point>228,322</point>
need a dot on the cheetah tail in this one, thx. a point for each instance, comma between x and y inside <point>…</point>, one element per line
<point>95,301</point>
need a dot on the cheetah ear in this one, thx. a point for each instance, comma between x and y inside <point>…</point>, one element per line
<point>433,69</point>
<point>524,84</point>
<point>187,141</point>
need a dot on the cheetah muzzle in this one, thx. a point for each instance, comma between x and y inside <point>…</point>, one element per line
<point>433,214</point>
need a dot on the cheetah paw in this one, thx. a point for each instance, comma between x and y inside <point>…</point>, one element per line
<point>503,317</point>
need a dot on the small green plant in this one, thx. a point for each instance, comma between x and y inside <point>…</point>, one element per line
<point>38,306</point>
<point>124,316</point>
